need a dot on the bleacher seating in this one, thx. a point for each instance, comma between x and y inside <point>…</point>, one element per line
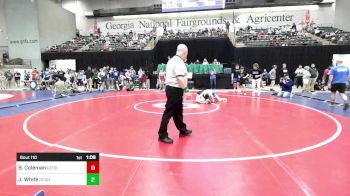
<point>193,34</point>
<point>131,41</point>
<point>334,35</point>
<point>262,37</point>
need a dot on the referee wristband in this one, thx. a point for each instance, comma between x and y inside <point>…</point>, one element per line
<point>186,90</point>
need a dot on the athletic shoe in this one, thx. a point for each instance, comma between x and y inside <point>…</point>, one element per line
<point>346,106</point>
<point>166,140</point>
<point>332,104</point>
<point>185,133</point>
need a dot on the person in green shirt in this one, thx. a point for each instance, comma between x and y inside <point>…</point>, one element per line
<point>60,88</point>
<point>94,78</point>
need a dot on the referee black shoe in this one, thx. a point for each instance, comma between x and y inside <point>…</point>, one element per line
<point>166,140</point>
<point>185,133</point>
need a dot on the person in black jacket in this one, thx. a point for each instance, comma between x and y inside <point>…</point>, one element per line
<point>244,78</point>
<point>283,71</point>
<point>256,79</point>
<point>17,76</point>
<point>9,77</point>
<point>235,77</point>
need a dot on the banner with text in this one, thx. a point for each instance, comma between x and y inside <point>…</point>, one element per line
<point>214,19</point>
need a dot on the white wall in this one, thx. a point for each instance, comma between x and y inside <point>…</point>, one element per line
<point>342,14</point>
<point>56,25</point>
<point>79,7</point>
<point>23,30</point>
<point>3,29</point>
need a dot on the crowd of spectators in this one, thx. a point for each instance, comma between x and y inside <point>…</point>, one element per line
<point>305,77</point>
<point>280,36</point>
<point>72,45</point>
<point>331,34</point>
<point>91,79</point>
<point>193,33</point>
<point>108,42</point>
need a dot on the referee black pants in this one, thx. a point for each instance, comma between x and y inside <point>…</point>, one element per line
<point>173,108</point>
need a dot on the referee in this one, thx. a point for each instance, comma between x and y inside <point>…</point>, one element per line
<point>176,87</point>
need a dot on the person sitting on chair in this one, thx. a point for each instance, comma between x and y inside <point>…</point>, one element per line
<point>130,86</point>
<point>286,84</point>
<point>60,89</point>
<point>208,96</point>
<point>205,62</point>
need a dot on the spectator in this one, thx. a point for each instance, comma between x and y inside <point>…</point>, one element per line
<point>89,75</point>
<point>112,78</point>
<point>62,74</point>
<point>283,71</point>
<point>99,32</point>
<point>77,33</point>
<point>139,72</point>
<point>227,26</point>
<point>60,88</point>
<point>46,74</point>
<point>306,78</point>
<point>26,75</point>
<point>132,73</point>
<point>205,62</point>
<point>162,80</point>
<point>35,74</point>
<point>235,77</point>
<point>17,76</point>
<point>273,73</point>
<point>299,76</point>
<point>81,77</point>
<point>216,61</point>
<point>256,79</point>
<point>244,76</point>
<point>9,77</point>
<point>95,82</point>
<point>265,77</point>
<point>325,76</point>
<point>149,78</point>
<point>102,79</point>
<point>313,77</point>
<point>2,81</point>
<point>143,80</point>
<point>286,87</point>
<point>91,33</point>
<point>213,78</point>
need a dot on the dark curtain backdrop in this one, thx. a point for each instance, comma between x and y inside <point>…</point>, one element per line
<point>119,59</point>
<point>219,48</point>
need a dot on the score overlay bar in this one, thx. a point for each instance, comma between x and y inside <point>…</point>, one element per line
<point>57,169</point>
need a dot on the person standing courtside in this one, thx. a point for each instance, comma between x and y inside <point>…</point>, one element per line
<point>176,86</point>
<point>338,79</point>
<point>273,73</point>
<point>313,78</point>
<point>256,79</point>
